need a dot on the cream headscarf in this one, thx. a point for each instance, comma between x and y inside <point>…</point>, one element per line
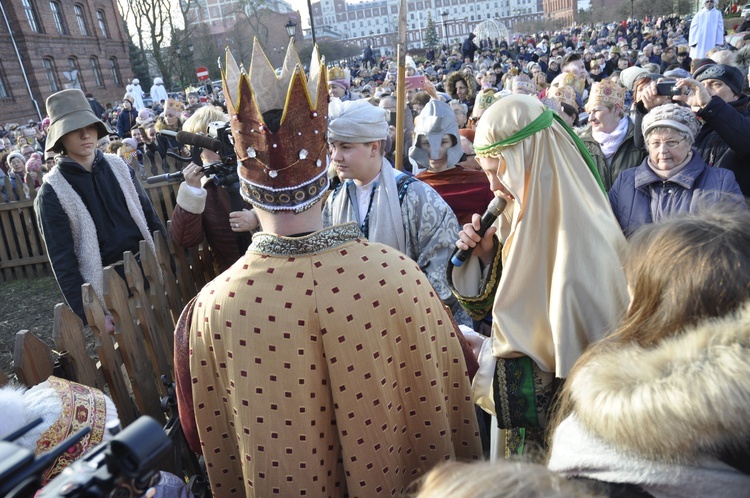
<point>562,286</point>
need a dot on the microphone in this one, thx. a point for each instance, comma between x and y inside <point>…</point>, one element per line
<point>495,209</point>
<point>202,141</point>
<point>167,177</point>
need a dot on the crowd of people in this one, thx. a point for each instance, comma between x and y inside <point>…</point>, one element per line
<point>598,326</point>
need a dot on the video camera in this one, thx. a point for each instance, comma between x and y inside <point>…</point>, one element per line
<point>122,467</point>
<point>218,139</point>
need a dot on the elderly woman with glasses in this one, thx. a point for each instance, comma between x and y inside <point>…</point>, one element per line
<point>673,178</point>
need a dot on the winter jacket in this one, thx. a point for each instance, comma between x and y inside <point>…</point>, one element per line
<point>639,196</point>
<point>126,122</point>
<point>723,139</point>
<point>670,418</point>
<point>626,156</point>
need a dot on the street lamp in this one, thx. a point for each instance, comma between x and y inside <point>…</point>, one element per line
<point>444,14</point>
<point>291,28</point>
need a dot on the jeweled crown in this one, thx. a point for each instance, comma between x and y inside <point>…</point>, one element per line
<point>282,170</point>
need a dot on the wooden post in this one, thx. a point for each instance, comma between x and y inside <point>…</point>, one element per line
<point>70,336</point>
<point>139,366</point>
<point>32,359</point>
<point>164,260</point>
<point>108,355</point>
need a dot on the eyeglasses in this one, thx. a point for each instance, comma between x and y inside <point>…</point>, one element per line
<point>671,144</point>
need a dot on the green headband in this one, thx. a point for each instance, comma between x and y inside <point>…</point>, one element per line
<point>544,120</point>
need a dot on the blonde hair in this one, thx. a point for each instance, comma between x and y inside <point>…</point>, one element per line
<point>502,479</point>
<point>199,121</point>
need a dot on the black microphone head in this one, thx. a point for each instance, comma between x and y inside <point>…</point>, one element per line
<point>496,206</point>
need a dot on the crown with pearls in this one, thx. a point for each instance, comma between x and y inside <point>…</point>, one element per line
<point>606,92</point>
<point>282,169</point>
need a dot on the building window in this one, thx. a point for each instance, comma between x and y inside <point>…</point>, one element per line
<point>33,19</point>
<point>78,8</point>
<point>97,72</point>
<point>57,15</point>
<point>115,71</point>
<point>102,23</point>
<point>4,88</point>
<point>75,78</point>
<point>49,69</point>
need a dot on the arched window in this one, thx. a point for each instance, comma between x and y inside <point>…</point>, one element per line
<point>57,15</point>
<point>102,23</point>
<point>97,72</point>
<point>74,75</point>
<point>115,71</point>
<point>49,70</point>
<point>78,9</point>
<point>31,16</point>
<point>4,88</point>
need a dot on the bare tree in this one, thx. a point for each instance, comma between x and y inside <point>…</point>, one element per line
<point>253,11</point>
<point>155,28</point>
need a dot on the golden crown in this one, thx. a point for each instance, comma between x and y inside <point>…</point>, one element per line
<point>606,92</point>
<point>285,169</point>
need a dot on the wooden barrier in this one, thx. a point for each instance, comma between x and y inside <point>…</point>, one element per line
<point>145,307</point>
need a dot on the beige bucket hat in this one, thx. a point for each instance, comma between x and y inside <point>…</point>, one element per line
<point>69,110</point>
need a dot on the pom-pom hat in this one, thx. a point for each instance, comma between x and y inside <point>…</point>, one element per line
<point>282,170</point>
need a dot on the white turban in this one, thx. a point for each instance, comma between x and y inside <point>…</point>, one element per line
<point>356,121</point>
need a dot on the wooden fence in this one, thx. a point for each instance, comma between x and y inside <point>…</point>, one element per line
<point>128,364</point>
<point>22,251</point>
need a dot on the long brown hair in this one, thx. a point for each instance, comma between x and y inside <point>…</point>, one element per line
<point>680,271</point>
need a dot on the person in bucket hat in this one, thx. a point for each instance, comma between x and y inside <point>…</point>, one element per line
<point>90,208</point>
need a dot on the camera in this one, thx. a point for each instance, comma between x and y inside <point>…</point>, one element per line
<point>218,139</point>
<point>668,88</point>
<point>123,467</point>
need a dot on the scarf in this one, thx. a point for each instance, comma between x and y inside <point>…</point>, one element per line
<point>383,218</point>
<point>610,142</point>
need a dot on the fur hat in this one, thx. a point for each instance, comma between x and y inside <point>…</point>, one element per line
<point>606,92</point>
<point>683,50</point>
<point>730,75</point>
<point>129,97</point>
<point>340,77</point>
<point>673,116</point>
<point>69,110</point>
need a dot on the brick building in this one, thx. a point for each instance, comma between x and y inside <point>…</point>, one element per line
<point>51,45</point>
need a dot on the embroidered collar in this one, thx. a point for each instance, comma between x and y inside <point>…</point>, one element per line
<point>276,245</point>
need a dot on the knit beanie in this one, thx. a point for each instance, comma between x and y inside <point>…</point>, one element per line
<point>34,163</point>
<point>15,154</point>
<point>729,75</point>
<point>673,116</point>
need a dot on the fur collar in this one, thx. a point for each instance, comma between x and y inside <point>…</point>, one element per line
<point>686,397</point>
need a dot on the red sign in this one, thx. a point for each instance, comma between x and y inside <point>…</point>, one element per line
<point>201,73</point>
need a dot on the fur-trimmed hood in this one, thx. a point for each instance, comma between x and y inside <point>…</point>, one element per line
<point>687,397</point>
<point>471,84</point>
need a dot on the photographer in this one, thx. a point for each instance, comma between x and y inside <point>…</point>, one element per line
<point>715,95</point>
<point>204,209</point>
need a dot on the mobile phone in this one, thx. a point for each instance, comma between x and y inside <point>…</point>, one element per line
<point>415,82</point>
<point>667,88</point>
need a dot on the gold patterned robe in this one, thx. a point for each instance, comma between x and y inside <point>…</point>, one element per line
<point>323,366</point>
